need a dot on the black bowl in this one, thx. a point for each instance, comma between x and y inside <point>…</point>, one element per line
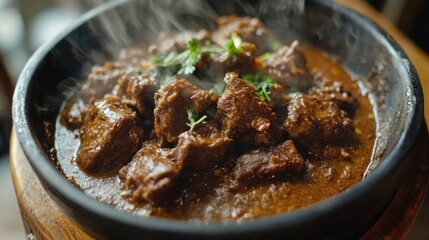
<point>376,60</point>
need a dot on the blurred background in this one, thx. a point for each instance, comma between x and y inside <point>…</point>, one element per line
<point>26,24</point>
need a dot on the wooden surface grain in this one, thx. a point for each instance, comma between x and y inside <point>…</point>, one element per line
<point>40,214</point>
<point>399,216</point>
<point>42,217</point>
<point>46,221</point>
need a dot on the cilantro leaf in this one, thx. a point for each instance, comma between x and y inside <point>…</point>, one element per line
<point>185,62</point>
<point>265,56</point>
<point>233,45</point>
<point>209,48</point>
<point>262,85</point>
<point>171,59</point>
<point>193,57</point>
<point>275,44</point>
<point>193,121</point>
<point>194,46</point>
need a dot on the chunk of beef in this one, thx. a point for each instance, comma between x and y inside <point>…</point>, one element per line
<point>109,136</point>
<point>314,122</point>
<point>241,62</point>
<point>203,148</point>
<point>243,116</point>
<point>335,91</point>
<point>150,174</point>
<point>171,104</point>
<point>269,162</point>
<point>289,67</point>
<point>138,92</point>
<point>279,96</point>
<point>167,42</point>
<point>249,29</point>
<point>74,111</point>
<point>102,79</point>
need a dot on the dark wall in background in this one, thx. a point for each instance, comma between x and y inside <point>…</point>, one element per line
<point>418,31</point>
<point>3,145</point>
<point>378,4</point>
<point>413,21</point>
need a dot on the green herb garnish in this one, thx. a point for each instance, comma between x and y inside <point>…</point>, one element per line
<point>262,85</point>
<point>233,45</point>
<point>182,63</point>
<point>185,62</point>
<point>170,59</point>
<point>193,57</point>
<point>192,117</point>
<point>209,48</point>
<point>275,44</point>
<point>265,56</point>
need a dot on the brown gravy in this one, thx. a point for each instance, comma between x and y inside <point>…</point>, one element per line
<point>205,197</point>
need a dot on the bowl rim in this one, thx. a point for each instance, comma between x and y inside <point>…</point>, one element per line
<point>60,188</point>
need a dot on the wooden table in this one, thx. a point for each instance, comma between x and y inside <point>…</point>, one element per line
<point>43,218</point>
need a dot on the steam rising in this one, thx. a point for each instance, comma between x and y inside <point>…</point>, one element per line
<point>138,23</point>
<point>141,21</point>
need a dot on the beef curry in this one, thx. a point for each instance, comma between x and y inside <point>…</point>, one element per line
<point>221,126</point>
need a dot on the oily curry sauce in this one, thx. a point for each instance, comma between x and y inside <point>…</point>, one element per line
<point>207,197</point>
<point>216,127</point>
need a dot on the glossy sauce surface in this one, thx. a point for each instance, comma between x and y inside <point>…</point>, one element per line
<point>206,197</point>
